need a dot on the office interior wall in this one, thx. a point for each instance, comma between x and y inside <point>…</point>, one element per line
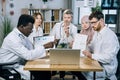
<point>79,11</point>
<point>69,4</point>
<point>19,4</point>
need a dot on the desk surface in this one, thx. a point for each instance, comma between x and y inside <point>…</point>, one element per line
<point>86,64</point>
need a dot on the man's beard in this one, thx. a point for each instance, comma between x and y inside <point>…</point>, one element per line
<point>98,28</point>
<point>66,23</point>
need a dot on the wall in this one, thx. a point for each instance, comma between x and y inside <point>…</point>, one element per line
<point>79,10</point>
<point>19,4</point>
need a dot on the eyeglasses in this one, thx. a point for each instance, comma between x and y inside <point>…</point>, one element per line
<point>94,22</point>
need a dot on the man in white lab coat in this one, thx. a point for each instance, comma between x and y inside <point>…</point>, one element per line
<point>64,32</point>
<point>103,48</point>
<point>17,48</point>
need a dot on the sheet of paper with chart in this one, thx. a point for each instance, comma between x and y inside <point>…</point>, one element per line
<point>41,40</point>
<point>80,42</point>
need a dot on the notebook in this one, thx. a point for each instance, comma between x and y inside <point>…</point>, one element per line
<point>80,42</point>
<point>65,56</point>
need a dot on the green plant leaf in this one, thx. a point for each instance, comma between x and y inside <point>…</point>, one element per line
<point>97,8</point>
<point>7,27</point>
<point>44,0</point>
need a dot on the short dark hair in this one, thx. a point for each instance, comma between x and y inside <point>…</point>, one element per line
<point>24,19</point>
<point>97,14</point>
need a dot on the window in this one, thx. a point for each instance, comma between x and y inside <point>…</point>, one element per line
<point>110,4</point>
<point>110,18</point>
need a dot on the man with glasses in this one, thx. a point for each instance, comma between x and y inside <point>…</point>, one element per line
<point>103,48</point>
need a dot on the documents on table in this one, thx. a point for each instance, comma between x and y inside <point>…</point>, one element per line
<point>41,40</point>
<point>80,42</point>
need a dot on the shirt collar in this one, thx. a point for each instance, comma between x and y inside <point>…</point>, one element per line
<point>19,33</point>
<point>103,30</point>
<point>34,29</point>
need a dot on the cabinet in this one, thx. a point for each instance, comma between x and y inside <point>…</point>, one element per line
<point>51,16</point>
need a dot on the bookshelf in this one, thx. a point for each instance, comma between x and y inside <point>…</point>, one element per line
<point>51,16</point>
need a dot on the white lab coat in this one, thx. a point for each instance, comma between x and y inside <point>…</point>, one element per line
<point>35,33</point>
<point>16,47</point>
<point>58,32</point>
<point>105,47</point>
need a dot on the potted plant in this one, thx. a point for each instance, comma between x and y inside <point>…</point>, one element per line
<point>97,8</point>
<point>5,26</point>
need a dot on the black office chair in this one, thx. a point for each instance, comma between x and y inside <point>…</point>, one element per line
<point>118,69</point>
<point>118,58</point>
<point>9,73</point>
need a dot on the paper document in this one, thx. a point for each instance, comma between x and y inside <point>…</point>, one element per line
<point>80,42</point>
<point>41,40</point>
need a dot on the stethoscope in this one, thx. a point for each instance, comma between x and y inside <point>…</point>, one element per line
<point>24,39</point>
<point>21,36</point>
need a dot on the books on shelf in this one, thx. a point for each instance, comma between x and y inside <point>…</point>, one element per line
<point>53,23</point>
<point>51,16</point>
<point>56,15</point>
<point>47,27</point>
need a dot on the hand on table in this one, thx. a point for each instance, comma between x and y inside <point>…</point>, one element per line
<point>87,53</point>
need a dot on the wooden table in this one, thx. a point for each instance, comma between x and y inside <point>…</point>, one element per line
<point>86,64</point>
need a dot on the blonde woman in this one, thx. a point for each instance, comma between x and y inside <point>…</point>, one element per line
<point>37,27</point>
<point>86,28</point>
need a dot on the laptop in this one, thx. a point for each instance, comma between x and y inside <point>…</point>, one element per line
<point>65,56</point>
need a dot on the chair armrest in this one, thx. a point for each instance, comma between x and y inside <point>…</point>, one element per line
<point>6,64</point>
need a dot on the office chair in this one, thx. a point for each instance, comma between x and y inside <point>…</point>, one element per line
<point>9,73</point>
<point>118,68</point>
<point>118,58</point>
